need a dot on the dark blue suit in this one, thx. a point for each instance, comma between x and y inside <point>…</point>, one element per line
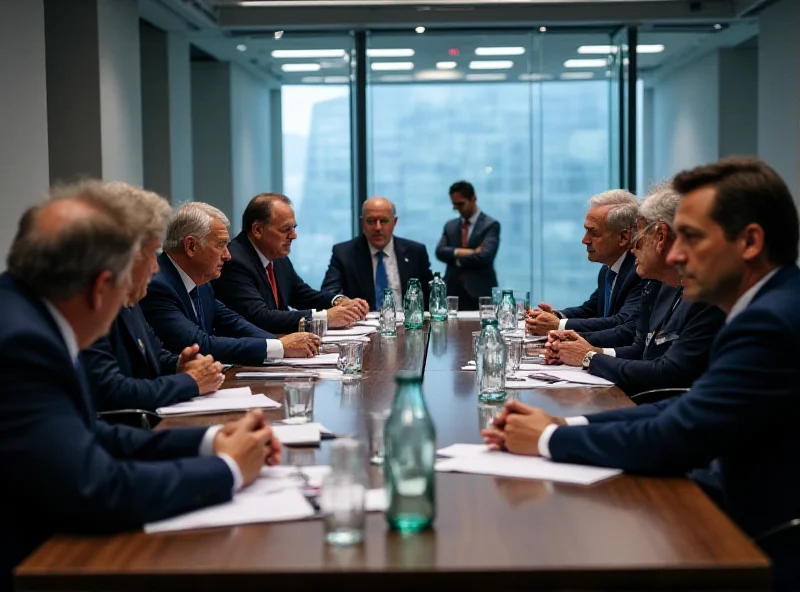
<point>168,310</point>
<point>742,413</point>
<point>624,306</point>
<point>625,334</point>
<point>350,270</point>
<point>129,369</point>
<point>474,276</point>
<point>244,288</point>
<point>670,349</point>
<point>63,471</point>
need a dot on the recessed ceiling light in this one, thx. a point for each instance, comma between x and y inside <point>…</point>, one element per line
<point>241,47</point>
<point>397,78</point>
<point>535,77</point>
<point>577,75</point>
<point>597,49</point>
<point>439,75</point>
<point>717,26</point>
<point>336,80</point>
<point>420,29</point>
<point>278,34</point>
<point>390,53</point>
<point>308,53</point>
<point>543,29</point>
<point>446,65</point>
<point>654,48</point>
<point>586,63</point>
<point>485,77</point>
<point>499,51</point>
<point>385,66</point>
<point>491,65</point>
<point>301,67</point>
<point>311,79</point>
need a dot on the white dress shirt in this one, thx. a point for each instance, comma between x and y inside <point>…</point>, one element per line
<point>472,219</point>
<point>392,271</point>
<point>274,346</point>
<point>206,444</point>
<point>742,303</point>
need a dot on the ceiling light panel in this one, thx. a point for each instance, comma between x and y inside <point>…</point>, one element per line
<point>499,51</point>
<point>577,75</point>
<point>446,65</point>
<point>586,63</point>
<point>390,53</point>
<point>301,67</point>
<point>486,77</point>
<point>308,53</point>
<point>388,66</point>
<point>491,65</point>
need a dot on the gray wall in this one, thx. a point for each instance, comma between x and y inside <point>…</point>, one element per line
<point>156,165</point>
<point>180,118</point>
<point>738,106</point>
<point>24,170</point>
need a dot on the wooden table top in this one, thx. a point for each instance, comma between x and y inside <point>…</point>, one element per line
<point>629,531</point>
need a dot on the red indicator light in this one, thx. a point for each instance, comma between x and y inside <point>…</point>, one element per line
<point>453,51</point>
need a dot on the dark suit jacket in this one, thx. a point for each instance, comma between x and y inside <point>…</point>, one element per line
<point>625,334</point>
<point>670,349</point>
<point>476,271</point>
<point>168,310</point>
<point>350,270</point>
<point>624,301</point>
<point>64,471</point>
<point>742,413</point>
<point>244,288</point>
<point>129,369</point>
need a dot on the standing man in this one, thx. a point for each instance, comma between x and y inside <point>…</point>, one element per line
<point>365,266</point>
<point>468,246</point>
<point>260,283</point>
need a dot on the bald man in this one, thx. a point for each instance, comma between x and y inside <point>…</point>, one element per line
<point>375,260</point>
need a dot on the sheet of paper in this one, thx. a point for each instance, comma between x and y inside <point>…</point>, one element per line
<point>273,479</point>
<point>376,500</point>
<point>320,360</point>
<point>300,421</point>
<point>575,376</point>
<point>469,315</point>
<point>299,434</point>
<point>373,315</point>
<point>505,464</point>
<point>228,393</point>
<point>352,331</point>
<point>370,322</point>
<point>340,338</point>
<point>202,405</point>
<point>272,376</point>
<point>455,450</point>
<point>280,506</point>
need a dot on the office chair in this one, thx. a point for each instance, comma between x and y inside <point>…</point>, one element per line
<point>137,418</point>
<point>655,395</point>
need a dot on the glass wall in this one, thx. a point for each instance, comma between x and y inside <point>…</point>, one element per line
<point>514,114</point>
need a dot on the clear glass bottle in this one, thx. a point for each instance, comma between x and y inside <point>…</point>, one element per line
<point>388,314</point>
<point>491,363</point>
<point>410,448</point>
<point>507,312</point>
<point>437,304</point>
<point>414,305</point>
<point>343,493</point>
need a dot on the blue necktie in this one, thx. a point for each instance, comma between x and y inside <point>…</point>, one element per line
<point>198,308</point>
<point>381,280</point>
<point>610,275</point>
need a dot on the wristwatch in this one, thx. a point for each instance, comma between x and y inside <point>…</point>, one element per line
<point>587,359</point>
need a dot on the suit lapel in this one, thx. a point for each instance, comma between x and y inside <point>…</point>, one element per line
<point>622,276</point>
<point>261,272</point>
<point>402,263</point>
<point>134,331</point>
<point>173,277</point>
<point>282,280</point>
<point>364,270</point>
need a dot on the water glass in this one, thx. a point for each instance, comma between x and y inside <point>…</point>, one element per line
<point>485,301</point>
<point>298,399</point>
<point>351,354</point>
<point>319,327</point>
<point>343,494</point>
<point>497,295</point>
<point>452,306</point>
<point>513,354</point>
<point>476,335</point>
<point>487,413</point>
<point>488,311</point>
<point>377,421</point>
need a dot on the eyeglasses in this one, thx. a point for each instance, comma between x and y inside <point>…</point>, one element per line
<point>374,221</point>
<point>638,235</point>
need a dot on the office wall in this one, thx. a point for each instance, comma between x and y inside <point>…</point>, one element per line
<point>24,168</point>
<point>156,166</point>
<point>180,118</point>
<point>738,101</point>
<point>779,91</point>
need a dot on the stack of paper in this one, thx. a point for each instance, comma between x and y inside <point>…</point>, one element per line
<point>354,331</point>
<point>320,360</point>
<point>469,315</point>
<point>340,338</point>
<point>238,399</point>
<point>478,459</point>
<point>274,375</point>
<point>370,322</point>
<point>306,434</point>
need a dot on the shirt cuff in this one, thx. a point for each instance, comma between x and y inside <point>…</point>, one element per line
<point>274,349</point>
<point>544,440</point>
<point>458,262</point>
<point>237,474</point>
<point>576,420</point>
<point>207,449</point>
<point>610,351</point>
<point>562,324</point>
<point>335,298</point>
<point>320,314</point>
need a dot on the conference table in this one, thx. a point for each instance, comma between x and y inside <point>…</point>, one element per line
<point>490,532</point>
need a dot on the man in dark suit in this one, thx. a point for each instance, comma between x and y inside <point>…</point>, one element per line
<point>608,226</point>
<point>365,266</point>
<point>673,338</point>
<point>129,368</point>
<point>182,309</point>
<point>64,471</point>
<point>260,283</point>
<point>469,246</point>
<point>736,247</point>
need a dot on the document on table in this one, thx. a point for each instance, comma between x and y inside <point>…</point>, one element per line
<point>352,331</point>
<point>299,434</point>
<point>340,338</point>
<point>469,315</point>
<point>218,403</point>
<point>272,376</point>
<point>478,459</point>
<point>370,322</point>
<point>320,360</point>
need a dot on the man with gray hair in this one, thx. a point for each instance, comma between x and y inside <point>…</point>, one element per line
<point>673,336</point>
<point>129,368</point>
<point>608,225</point>
<point>181,306</point>
<point>367,265</point>
<point>63,471</point>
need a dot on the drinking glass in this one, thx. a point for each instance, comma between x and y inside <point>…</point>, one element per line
<point>319,327</point>
<point>452,306</point>
<point>488,311</point>
<point>298,399</point>
<point>485,301</point>
<point>486,414</point>
<point>513,354</point>
<point>377,421</point>
<point>476,335</point>
<point>351,354</point>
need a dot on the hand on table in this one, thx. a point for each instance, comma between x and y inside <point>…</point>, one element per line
<point>206,373</point>
<point>518,428</point>
<point>300,345</point>
<point>250,443</point>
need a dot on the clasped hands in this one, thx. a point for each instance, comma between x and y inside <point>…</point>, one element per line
<point>346,311</point>
<point>518,427</point>
<point>567,347</point>
<point>541,320</point>
<point>250,442</point>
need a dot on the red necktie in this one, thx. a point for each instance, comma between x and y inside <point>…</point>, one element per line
<point>272,283</point>
<point>465,234</point>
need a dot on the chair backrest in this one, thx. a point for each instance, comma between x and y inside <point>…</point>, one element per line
<point>656,395</point>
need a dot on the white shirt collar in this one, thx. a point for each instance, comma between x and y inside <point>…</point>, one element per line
<point>474,218</point>
<point>615,268</point>
<point>746,298</point>
<point>388,250</point>
<point>264,260</point>
<point>67,332</point>
<point>187,281</point>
